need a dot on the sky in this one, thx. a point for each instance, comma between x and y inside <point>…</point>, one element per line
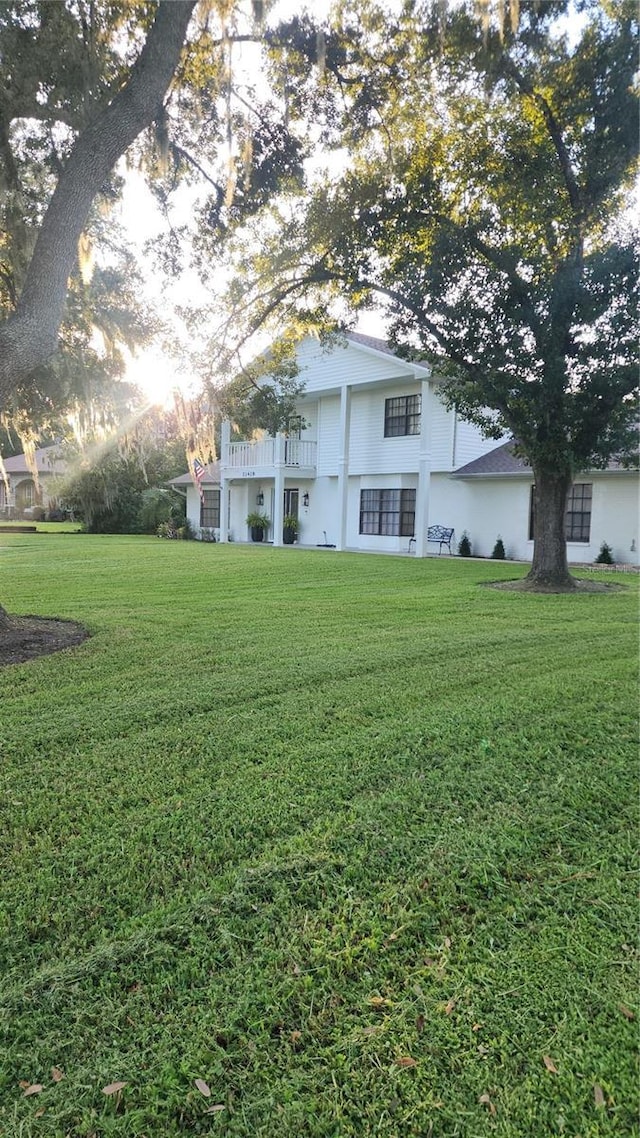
<point>153,369</point>
<point>156,372</point>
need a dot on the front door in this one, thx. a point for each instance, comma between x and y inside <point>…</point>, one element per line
<point>291,503</point>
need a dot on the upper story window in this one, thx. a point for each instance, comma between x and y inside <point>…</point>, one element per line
<point>577,520</point>
<point>402,416</point>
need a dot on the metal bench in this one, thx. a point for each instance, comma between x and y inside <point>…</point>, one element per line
<point>441,534</point>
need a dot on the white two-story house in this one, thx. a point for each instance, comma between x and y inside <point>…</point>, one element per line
<point>375,459</point>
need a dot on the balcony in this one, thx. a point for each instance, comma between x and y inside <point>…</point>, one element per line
<point>260,459</point>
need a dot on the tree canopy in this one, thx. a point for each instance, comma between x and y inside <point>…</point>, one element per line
<point>482,202</point>
<point>76,89</point>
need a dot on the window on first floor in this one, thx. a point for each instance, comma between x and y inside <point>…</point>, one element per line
<point>26,494</point>
<point>402,416</point>
<point>577,519</point>
<point>390,513</point>
<point>210,509</point>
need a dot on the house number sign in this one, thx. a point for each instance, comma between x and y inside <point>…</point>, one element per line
<point>248,473</point>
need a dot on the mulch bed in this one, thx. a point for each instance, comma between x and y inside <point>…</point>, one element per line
<point>581,586</point>
<point>27,637</point>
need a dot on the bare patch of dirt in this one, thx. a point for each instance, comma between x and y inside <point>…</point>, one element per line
<point>28,637</point>
<point>581,586</point>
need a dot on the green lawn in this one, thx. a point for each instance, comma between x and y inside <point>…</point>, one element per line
<point>349,838</point>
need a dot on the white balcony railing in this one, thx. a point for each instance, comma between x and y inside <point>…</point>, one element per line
<point>247,455</point>
<point>268,453</point>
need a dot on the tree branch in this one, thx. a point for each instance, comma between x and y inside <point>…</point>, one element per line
<point>29,337</point>
<point>555,133</point>
<point>182,153</point>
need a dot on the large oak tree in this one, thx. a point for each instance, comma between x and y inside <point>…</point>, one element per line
<point>103,99</point>
<point>482,201</point>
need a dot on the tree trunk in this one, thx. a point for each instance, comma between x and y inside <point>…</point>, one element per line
<point>549,569</point>
<point>29,337</point>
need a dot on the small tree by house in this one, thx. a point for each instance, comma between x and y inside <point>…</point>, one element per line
<point>605,556</point>
<point>464,545</point>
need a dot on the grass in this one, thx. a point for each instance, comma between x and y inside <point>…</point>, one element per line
<point>348,838</point>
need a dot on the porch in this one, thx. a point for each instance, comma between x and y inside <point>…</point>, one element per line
<point>259,459</point>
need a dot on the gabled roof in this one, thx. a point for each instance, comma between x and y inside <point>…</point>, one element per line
<point>49,460</point>
<point>212,477</point>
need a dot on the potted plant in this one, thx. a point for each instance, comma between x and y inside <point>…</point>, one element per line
<point>290,528</point>
<point>258,524</point>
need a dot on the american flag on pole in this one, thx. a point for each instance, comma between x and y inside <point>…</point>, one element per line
<point>199,471</point>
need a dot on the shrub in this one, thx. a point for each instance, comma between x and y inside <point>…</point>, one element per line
<point>498,551</point>
<point>167,530</point>
<point>159,505</point>
<point>464,545</point>
<point>605,556</point>
<point>186,531</point>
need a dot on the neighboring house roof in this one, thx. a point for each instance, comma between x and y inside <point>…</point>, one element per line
<point>501,460</point>
<point>49,460</point>
<point>212,476</point>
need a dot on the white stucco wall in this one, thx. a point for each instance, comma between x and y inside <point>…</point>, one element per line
<point>322,515</point>
<point>492,507</point>
<point>487,508</point>
<point>615,515</point>
<point>193,506</point>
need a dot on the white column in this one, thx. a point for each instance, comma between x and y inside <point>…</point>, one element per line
<point>343,465</point>
<point>278,493</point>
<point>224,509</point>
<point>424,470</point>
<point>225,438</point>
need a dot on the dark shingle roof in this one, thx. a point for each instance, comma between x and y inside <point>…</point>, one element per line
<point>500,460</point>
